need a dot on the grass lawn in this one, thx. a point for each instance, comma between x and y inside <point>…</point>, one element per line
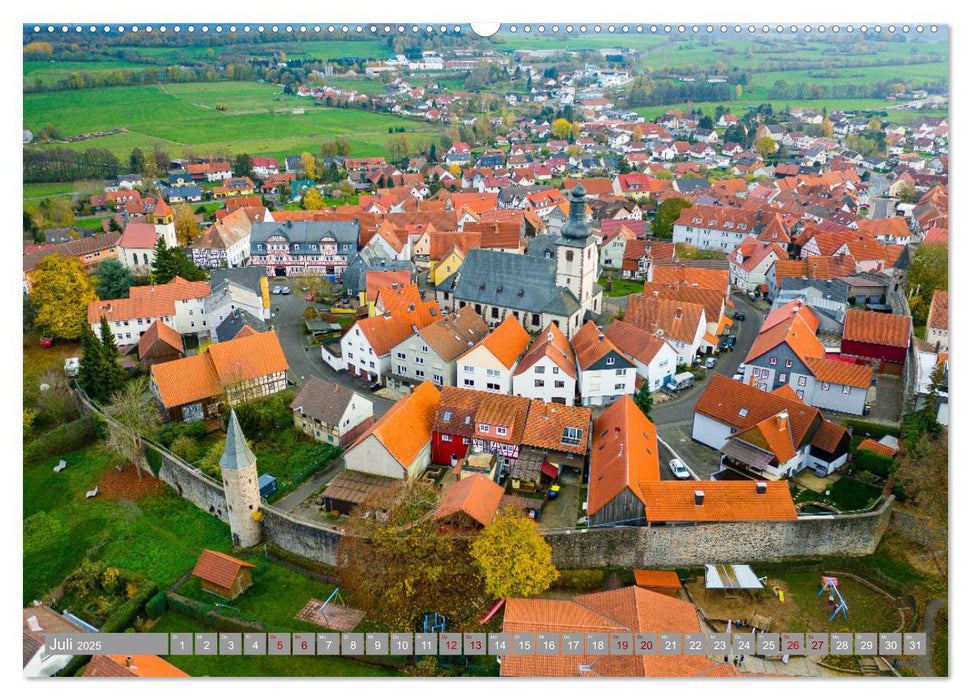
<point>182,117</point>
<point>621,287</point>
<point>845,494</point>
<point>263,600</point>
<point>159,535</point>
<point>267,666</point>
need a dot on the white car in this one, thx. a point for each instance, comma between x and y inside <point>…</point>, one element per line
<point>679,469</point>
<point>72,366</point>
<point>710,362</point>
<point>739,377</point>
<point>277,290</point>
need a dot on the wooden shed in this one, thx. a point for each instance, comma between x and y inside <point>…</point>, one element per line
<point>160,343</point>
<point>222,575</point>
<point>663,582</point>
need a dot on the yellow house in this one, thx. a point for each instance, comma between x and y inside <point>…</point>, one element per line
<point>447,266</point>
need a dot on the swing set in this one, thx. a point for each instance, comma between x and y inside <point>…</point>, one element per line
<point>831,584</point>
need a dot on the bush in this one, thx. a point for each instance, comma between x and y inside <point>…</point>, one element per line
<point>186,448</point>
<point>580,579</point>
<point>867,429</point>
<point>170,432</point>
<point>65,438</point>
<point>259,419</point>
<point>156,606</point>
<point>873,462</point>
<point>124,615</point>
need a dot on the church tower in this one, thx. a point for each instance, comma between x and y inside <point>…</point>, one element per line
<point>577,256</point>
<point>241,483</point>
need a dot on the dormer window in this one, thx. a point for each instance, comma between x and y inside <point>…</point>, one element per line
<point>500,430</point>
<point>610,360</point>
<point>483,428</point>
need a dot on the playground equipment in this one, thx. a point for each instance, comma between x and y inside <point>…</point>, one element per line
<point>495,608</point>
<point>781,594</point>
<point>831,584</point>
<point>434,622</point>
<point>335,594</point>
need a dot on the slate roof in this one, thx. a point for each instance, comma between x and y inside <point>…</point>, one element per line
<point>302,233</point>
<point>248,277</point>
<point>510,280</point>
<point>323,400</point>
<point>237,454</point>
<point>233,324</point>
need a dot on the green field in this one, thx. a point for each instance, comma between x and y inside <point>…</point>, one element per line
<point>182,118</point>
<point>160,535</point>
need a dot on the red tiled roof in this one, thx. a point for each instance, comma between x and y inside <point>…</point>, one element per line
<point>723,501</point>
<point>877,328</point>
<point>624,452</point>
<point>218,568</point>
<point>407,426</point>
<point>476,496</point>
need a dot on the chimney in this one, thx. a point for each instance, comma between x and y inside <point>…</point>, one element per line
<point>782,420</point>
<point>128,661</point>
<point>678,314</point>
<point>387,314</point>
<point>699,498</point>
<point>761,487</point>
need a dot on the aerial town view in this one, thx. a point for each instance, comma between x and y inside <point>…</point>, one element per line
<point>397,350</point>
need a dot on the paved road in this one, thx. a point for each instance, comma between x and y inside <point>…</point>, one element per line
<point>922,664</point>
<point>305,362</point>
<point>682,408</point>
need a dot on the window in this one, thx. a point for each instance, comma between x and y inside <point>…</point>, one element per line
<point>571,436</point>
<point>483,428</point>
<point>556,370</point>
<point>825,386</point>
<point>495,312</point>
<point>802,381</point>
<point>469,382</point>
<point>610,360</point>
<point>402,369</point>
<point>468,368</point>
<point>492,373</point>
<point>500,430</point>
<point>782,376</point>
<point>438,379</point>
<point>420,373</point>
<point>540,369</point>
<point>446,438</point>
<point>424,348</point>
<point>419,360</point>
<point>492,386</point>
<point>401,356</point>
<point>539,382</point>
<point>620,372</point>
<point>846,389</point>
<point>773,361</point>
<point>559,384</point>
<point>788,363</point>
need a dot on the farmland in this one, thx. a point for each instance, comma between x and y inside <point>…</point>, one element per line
<point>182,118</point>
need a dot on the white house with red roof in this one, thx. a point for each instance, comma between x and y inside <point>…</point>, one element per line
<point>749,263</point>
<point>547,372</point>
<point>179,304</point>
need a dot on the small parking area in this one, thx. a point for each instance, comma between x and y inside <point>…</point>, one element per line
<point>564,510</point>
<point>702,460</point>
<point>886,405</point>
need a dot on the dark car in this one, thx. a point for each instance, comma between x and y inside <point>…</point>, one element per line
<point>375,386</point>
<point>739,315</point>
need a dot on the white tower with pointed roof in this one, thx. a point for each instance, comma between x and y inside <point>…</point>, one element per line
<point>577,256</point>
<point>241,484</point>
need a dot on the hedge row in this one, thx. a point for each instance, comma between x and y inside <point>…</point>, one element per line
<point>63,439</point>
<point>868,429</point>
<point>873,462</point>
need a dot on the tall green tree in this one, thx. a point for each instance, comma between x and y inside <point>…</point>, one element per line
<point>114,280</point>
<point>667,213</point>
<point>172,262</point>
<point>243,166</point>
<point>644,399</point>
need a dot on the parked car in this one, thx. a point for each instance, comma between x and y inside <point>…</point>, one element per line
<point>738,377</point>
<point>710,362</point>
<point>679,469</point>
<point>284,290</point>
<point>46,339</point>
<point>739,315</point>
<point>309,297</point>
<point>276,290</point>
<point>375,386</point>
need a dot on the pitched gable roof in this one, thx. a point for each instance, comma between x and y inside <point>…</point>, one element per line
<point>551,343</point>
<point>159,332</point>
<point>386,330</point>
<point>640,344</point>
<point>546,424</point>
<point>723,501</point>
<point>452,335</point>
<point>407,426</point>
<point>624,452</point>
<point>877,328</point>
<point>218,568</point>
<point>322,400</point>
<point>506,342</point>
<point>591,345</point>
<point>476,496</point>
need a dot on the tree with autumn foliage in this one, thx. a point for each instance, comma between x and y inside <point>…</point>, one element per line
<point>136,415</point>
<point>513,557</point>
<point>186,226</point>
<point>766,146</point>
<point>312,200</point>
<point>562,129</point>
<point>309,164</point>
<point>397,565</point>
<point>61,290</point>
<point>923,475</point>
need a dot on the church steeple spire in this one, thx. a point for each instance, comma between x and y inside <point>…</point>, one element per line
<point>576,228</point>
